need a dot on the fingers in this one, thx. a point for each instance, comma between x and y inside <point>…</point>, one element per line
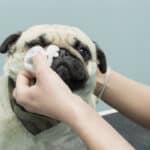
<point>23,80</point>
<point>42,68</point>
<point>22,87</point>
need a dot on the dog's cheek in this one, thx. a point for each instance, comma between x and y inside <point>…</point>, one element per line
<point>92,70</point>
<point>14,65</point>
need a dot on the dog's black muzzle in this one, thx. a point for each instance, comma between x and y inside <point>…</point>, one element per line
<point>70,69</point>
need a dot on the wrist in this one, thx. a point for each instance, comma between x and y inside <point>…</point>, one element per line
<point>79,114</point>
<point>99,83</point>
<point>102,83</point>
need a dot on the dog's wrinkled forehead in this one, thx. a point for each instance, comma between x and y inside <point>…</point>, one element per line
<point>70,38</point>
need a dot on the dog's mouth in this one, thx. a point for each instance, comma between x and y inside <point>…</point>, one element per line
<point>70,69</point>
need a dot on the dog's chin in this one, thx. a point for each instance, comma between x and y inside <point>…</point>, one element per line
<point>72,72</point>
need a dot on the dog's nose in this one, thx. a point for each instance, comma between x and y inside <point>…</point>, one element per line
<point>63,52</point>
<point>64,57</point>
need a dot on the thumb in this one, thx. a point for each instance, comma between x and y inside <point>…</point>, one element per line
<point>40,62</point>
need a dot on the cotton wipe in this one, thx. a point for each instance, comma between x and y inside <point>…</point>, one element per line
<point>51,52</point>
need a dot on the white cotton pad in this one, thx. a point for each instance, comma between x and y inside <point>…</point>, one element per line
<point>51,51</point>
<point>28,64</point>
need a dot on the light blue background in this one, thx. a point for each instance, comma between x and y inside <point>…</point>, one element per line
<point>121,27</point>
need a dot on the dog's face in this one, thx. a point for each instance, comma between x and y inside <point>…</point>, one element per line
<point>76,64</point>
<point>77,56</point>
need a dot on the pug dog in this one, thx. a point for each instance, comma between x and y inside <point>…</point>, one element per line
<point>77,63</point>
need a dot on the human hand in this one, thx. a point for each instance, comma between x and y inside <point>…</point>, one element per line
<point>101,70</point>
<point>99,83</point>
<point>49,96</point>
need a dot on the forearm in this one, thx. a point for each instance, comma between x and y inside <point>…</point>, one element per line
<point>129,97</point>
<point>94,130</point>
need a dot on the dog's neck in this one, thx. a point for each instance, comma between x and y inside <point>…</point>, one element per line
<point>34,123</point>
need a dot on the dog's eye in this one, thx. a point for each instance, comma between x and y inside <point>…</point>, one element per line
<point>85,53</point>
<point>82,49</point>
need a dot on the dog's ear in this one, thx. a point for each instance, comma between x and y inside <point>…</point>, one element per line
<point>101,59</point>
<point>8,42</point>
